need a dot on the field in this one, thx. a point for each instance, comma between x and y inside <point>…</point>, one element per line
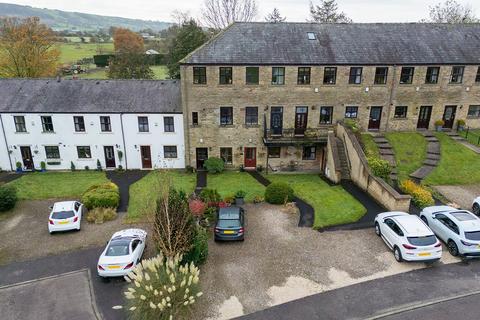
<point>72,52</point>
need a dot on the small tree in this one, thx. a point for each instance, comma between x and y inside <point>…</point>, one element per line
<point>275,16</point>
<point>451,11</point>
<point>218,14</point>
<point>327,12</point>
<point>129,65</point>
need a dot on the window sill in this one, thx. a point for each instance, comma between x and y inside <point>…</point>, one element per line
<point>79,132</point>
<point>200,84</point>
<point>225,84</point>
<point>399,119</point>
<point>473,117</point>
<point>169,132</point>
<point>454,84</point>
<point>252,84</point>
<point>106,132</point>
<point>22,132</point>
<point>143,132</point>
<point>48,132</point>
<point>251,126</point>
<point>170,158</point>
<point>227,126</point>
<point>309,159</point>
<point>84,159</point>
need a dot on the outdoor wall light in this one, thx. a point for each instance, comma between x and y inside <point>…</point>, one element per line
<point>201,140</point>
<point>367,89</point>
<point>250,140</point>
<point>92,123</point>
<point>467,89</point>
<point>417,89</point>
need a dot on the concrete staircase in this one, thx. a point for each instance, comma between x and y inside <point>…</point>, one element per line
<point>345,169</point>
<point>432,159</point>
<point>386,153</point>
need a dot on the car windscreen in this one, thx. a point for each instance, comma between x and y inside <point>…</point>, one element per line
<point>228,223</point>
<point>422,241</point>
<point>473,235</point>
<point>63,215</point>
<point>118,248</point>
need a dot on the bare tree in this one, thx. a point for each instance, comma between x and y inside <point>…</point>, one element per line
<point>327,12</point>
<point>181,17</point>
<point>451,11</point>
<point>275,16</point>
<point>218,14</point>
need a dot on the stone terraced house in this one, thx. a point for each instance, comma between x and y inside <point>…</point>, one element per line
<point>266,94</point>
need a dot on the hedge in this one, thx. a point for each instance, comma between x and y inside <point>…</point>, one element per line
<point>105,195</point>
<point>278,193</point>
<point>8,197</point>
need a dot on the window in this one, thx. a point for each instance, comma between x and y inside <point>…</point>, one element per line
<point>47,124</point>
<point>225,75</point>
<point>311,36</point>
<point>226,155</point>
<point>381,75</point>
<point>326,115</point>
<point>251,115</point>
<point>168,124</point>
<point>400,112</point>
<point>105,124</point>
<point>251,75</point>
<point>406,76</point>
<point>303,75</point>
<point>278,75</point>
<point>351,112</point>
<point>195,118</point>
<point>477,77</point>
<point>448,223</point>
<point>20,123</point>
<point>457,75</point>
<point>199,75</point>
<point>274,152</point>
<point>474,112</point>
<point>143,124</point>
<point>226,116</point>
<point>309,153</point>
<point>170,151</point>
<point>330,75</point>
<point>355,75</point>
<point>79,123</point>
<point>432,75</point>
<point>52,152</point>
<point>84,152</point>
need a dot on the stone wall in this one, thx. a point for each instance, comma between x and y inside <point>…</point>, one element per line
<point>333,166</point>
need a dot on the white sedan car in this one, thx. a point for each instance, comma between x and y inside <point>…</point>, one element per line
<point>64,216</point>
<point>408,236</point>
<point>459,229</point>
<point>122,254</point>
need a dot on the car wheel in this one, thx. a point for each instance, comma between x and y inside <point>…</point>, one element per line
<point>397,254</point>
<point>377,229</point>
<point>424,220</point>
<point>476,209</point>
<point>452,248</point>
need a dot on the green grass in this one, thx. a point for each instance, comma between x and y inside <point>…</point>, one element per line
<point>369,146</point>
<point>72,52</point>
<point>458,164</point>
<point>228,183</point>
<point>143,193</point>
<point>473,136</point>
<point>49,185</point>
<point>333,205</point>
<point>410,151</point>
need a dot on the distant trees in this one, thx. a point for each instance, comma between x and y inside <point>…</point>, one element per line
<point>275,16</point>
<point>27,49</point>
<point>327,12</point>
<point>451,11</point>
<point>125,40</point>
<point>218,14</point>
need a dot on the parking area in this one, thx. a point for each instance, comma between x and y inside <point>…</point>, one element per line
<point>279,262</point>
<point>461,195</point>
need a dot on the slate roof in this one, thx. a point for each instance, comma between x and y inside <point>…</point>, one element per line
<point>90,96</point>
<point>257,43</point>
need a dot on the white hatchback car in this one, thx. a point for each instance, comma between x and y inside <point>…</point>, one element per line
<point>459,229</point>
<point>65,215</point>
<point>408,236</point>
<point>122,253</point>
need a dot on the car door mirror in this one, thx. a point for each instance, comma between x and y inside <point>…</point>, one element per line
<point>434,217</point>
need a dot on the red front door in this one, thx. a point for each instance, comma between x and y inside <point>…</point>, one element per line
<point>250,157</point>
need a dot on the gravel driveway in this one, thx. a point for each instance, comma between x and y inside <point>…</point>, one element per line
<point>279,262</point>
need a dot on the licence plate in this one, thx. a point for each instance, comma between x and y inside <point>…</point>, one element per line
<point>63,222</point>
<point>113,267</point>
<point>423,254</point>
<point>228,232</point>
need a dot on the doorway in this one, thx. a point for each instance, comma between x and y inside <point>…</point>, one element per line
<point>276,120</point>
<point>301,116</point>
<point>424,117</point>
<point>250,157</point>
<point>449,116</point>
<point>202,155</point>
<point>27,158</point>
<point>109,156</point>
<point>146,157</point>
<point>375,118</point>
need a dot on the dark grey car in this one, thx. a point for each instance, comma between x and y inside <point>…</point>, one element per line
<point>230,224</point>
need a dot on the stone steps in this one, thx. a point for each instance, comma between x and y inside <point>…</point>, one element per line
<point>388,152</point>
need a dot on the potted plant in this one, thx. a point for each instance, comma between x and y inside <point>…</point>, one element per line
<point>99,165</point>
<point>43,166</point>
<point>461,125</point>
<point>239,197</point>
<point>120,155</point>
<point>439,125</point>
<point>19,166</point>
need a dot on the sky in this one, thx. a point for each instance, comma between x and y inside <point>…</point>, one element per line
<point>294,10</point>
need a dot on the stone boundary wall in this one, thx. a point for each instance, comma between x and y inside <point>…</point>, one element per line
<point>333,167</point>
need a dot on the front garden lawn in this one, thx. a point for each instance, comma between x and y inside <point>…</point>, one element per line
<point>228,183</point>
<point>369,146</point>
<point>410,151</point>
<point>143,193</point>
<point>49,185</point>
<point>472,136</point>
<point>333,205</point>
<point>458,164</point>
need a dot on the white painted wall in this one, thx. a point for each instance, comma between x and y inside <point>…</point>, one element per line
<point>67,139</point>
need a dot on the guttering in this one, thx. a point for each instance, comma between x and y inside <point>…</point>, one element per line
<point>6,143</point>
<point>123,139</point>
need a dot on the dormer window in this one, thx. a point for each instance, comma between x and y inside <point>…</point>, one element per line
<point>311,36</point>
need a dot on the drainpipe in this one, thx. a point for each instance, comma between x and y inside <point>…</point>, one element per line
<point>392,94</point>
<point>123,138</point>
<point>6,143</point>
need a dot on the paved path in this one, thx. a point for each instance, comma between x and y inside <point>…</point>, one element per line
<point>455,136</point>
<point>201,181</point>
<point>432,158</point>
<point>6,177</point>
<point>123,179</point>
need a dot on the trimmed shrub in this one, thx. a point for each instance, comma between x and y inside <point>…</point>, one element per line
<point>380,168</point>
<point>105,195</point>
<point>257,199</point>
<point>210,196</point>
<point>214,165</point>
<point>199,252</point>
<point>278,193</point>
<point>101,215</point>
<point>8,197</point>
<point>229,199</point>
<point>72,166</point>
<point>421,197</point>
